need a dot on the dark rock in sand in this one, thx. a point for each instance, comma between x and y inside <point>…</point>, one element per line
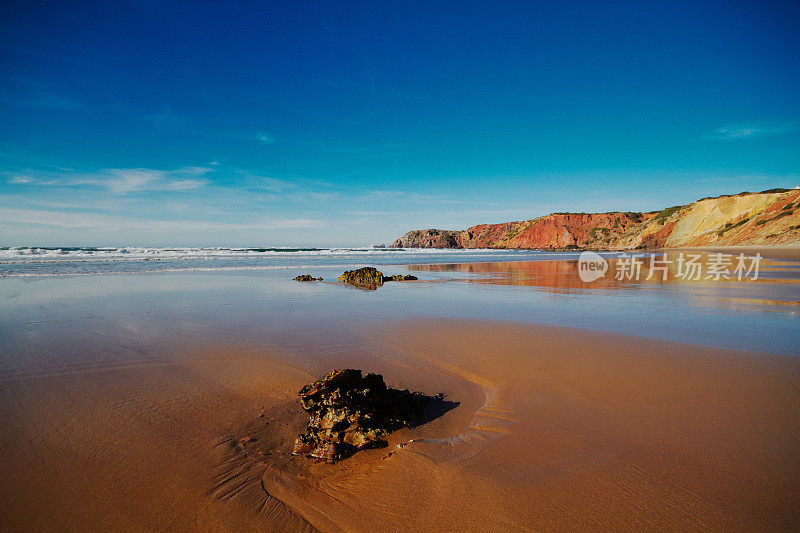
<point>307,277</point>
<point>400,277</point>
<point>362,276</point>
<point>349,412</point>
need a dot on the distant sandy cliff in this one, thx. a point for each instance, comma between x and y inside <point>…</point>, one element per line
<point>768,218</point>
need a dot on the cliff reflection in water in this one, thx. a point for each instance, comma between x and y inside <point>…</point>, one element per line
<point>770,281</point>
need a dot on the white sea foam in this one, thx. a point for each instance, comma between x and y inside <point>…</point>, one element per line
<point>65,261</point>
<point>179,269</point>
<point>41,254</point>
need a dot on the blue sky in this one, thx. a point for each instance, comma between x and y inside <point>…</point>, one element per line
<point>349,123</point>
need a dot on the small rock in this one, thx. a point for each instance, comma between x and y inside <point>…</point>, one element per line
<point>307,277</point>
<point>400,277</point>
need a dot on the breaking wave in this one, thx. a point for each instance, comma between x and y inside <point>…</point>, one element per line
<point>28,253</point>
<point>29,261</point>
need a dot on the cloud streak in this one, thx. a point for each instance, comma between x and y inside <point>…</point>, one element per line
<point>729,133</point>
<point>101,222</point>
<point>130,180</point>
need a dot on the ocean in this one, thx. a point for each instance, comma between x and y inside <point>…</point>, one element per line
<point>59,261</point>
<point>760,314</point>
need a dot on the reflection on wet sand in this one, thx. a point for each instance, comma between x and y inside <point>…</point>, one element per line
<point>168,401</point>
<point>566,431</point>
<point>763,281</point>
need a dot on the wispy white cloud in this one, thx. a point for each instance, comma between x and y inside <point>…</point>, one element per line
<point>266,139</point>
<point>103,222</point>
<point>28,178</point>
<point>122,181</point>
<point>128,180</point>
<point>728,133</point>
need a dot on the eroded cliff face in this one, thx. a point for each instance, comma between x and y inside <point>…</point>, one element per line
<point>754,219</point>
<point>428,238</point>
<point>559,230</point>
<point>762,219</point>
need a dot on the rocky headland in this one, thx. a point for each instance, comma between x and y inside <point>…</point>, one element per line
<point>767,218</point>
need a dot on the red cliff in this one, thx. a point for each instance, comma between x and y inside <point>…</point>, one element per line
<point>756,219</point>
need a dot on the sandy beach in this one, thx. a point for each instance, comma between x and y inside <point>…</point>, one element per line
<point>399,266</point>
<point>555,428</point>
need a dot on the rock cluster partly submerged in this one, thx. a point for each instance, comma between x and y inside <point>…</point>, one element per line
<point>349,412</point>
<point>371,276</point>
<point>400,277</point>
<point>307,277</point>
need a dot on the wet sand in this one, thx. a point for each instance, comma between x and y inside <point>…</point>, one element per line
<point>555,428</point>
